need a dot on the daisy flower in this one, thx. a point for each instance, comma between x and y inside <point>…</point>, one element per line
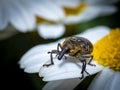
<point>75,11</point>
<point>24,15</point>
<point>50,15</point>
<point>64,70</point>
<point>18,13</point>
<point>106,53</point>
<point>15,14</point>
<point>89,9</point>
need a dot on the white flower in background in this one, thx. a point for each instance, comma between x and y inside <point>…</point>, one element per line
<point>67,71</point>
<point>50,15</point>
<point>18,13</point>
<point>89,9</point>
<point>50,24</point>
<point>15,14</point>
<point>51,31</point>
<point>23,15</point>
<point>75,11</point>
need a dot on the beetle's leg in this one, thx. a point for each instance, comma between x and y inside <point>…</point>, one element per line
<point>65,57</point>
<point>83,68</point>
<point>87,72</point>
<point>59,45</point>
<point>89,63</point>
<point>90,59</point>
<point>51,57</point>
<point>54,52</point>
<point>83,61</point>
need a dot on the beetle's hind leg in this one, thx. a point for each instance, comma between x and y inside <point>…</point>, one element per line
<point>51,57</point>
<point>83,68</point>
<point>89,63</point>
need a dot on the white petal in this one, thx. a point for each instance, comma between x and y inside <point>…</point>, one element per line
<point>67,84</point>
<point>94,69</point>
<point>37,50</point>
<point>68,3</point>
<point>101,80</point>
<point>19,17</point>
<point>106,10</point>
<point>51,31</point>
<point>95,33</point>
<point>40,49</point>
<point>28,5</point>
<point>60,69</point>
<point>3,16</point>
<point>100,2</point>
<point>49,10</point>
<point>34,60</point>
<point>32,69</point>
<point>89,13</point>
<point>35,57</point>
<point>113,82</point>
<point>116,82</point>
<point>65,69</point>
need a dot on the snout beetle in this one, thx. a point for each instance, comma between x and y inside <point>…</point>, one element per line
<point>78,47</point>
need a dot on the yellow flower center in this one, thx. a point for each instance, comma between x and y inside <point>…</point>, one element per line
<point>42,20</point>
<point>107,50</point>
<point>76,10</point>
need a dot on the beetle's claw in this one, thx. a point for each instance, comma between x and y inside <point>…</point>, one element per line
<point>81,77</point>
<point>48,52</point>
<point>91,64</point>
<point>47,65</point>
<point>65,57</point>
<point>87,73</point>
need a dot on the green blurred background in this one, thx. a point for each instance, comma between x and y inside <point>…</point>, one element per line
<point>11,50</point>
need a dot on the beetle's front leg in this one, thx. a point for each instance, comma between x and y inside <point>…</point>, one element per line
<point>59,46</point>
<point>51,57</point>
